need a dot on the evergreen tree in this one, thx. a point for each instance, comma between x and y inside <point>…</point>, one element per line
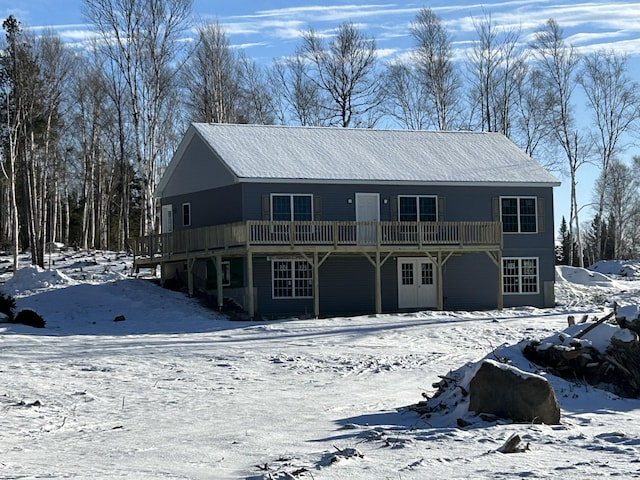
<point>563,253</point>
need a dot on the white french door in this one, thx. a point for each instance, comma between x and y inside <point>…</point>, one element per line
<point>416,283</point>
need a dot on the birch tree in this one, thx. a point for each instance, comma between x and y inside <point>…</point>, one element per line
<point>143,38</point>
<point>615,108</point>
<point>434,60</point>
<point>211,77</point>
<point>34,72</point>
<point>557,62</point>
<point>407,97</point>
<point>497,68</point>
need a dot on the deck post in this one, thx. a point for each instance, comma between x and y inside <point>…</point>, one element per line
<point>499,265</point>
<point>190,263</point>
<point>250,299</point>
<point>439,287</point>
<point>219,282</point>
<point>316,286</point>
<point>378,284</point>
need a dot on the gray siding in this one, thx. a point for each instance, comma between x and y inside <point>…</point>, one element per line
<point>199,169</point>
<point>346,288</point>
<point>347,283</point>
<point>211,207</point>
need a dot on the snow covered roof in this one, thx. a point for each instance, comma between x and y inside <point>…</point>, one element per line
<point>282,153</point>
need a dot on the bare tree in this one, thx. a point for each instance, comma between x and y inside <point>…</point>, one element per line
<point>621,186</point>
<point>33,74</point>
<point>435,63</point>
<point>407,97</point>
<point>256,95</point>
<point>297,97</point>
<point>346,70</point>
<point>497,68</point>
<point>615,106</point>
<point>211,77</point>
<point>558,64</point>
<point>143,38</point>
<point>532,129</point>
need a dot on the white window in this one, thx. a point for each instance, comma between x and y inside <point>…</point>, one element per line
<point>186,214</point>
<point>519,275</point>
<point>519,214</point>
<point>291,279</point>
<point>291,207</point>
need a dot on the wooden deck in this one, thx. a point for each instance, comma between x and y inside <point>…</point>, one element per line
<point>316,241</point>
<point>268,237</point>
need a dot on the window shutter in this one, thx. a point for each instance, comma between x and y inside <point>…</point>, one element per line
<point>317,208</point>
<point>496,209</point>
<point>441,204</point>
<point>540,212</point>
<point>266,206</point>
<point>394,208</point>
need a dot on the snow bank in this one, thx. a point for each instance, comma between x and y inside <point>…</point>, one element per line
<point>582,276</point>
<point>32,278</point>
<point>623,268</point>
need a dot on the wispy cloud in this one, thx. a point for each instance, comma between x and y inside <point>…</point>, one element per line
<point>589,25</point>
<point>604,23</point>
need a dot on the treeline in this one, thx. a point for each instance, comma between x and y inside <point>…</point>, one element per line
<point>86,133</point>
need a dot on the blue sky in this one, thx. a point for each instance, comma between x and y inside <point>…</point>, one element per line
<point>267,29</point>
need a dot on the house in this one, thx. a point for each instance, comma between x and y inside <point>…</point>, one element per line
<point>326,221</point>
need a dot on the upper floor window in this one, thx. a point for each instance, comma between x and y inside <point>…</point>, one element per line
<point>417,208</point>
<point>186,214</point>
<point>291,207</point>
<point>519,214</point>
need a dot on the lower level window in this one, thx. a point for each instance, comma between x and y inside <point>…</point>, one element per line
<point>519,275</point>
<point>292,279</point>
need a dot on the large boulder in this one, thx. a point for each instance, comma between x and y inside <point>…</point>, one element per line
<point>510,393</point>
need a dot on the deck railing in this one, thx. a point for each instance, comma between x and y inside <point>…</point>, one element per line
<point>318,233</point>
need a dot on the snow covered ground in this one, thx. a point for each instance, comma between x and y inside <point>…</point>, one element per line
<point>177,391</point>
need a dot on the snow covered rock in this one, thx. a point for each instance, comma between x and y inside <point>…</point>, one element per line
<point>628,316</point>
<point>507,392</point>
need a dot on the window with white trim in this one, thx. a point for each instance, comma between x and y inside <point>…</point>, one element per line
<point>414,208</point>
<point>291,207</point>
<point>519,214</point>
<point>186,214</point>
<point>519,275</point>
<point>291,279</point>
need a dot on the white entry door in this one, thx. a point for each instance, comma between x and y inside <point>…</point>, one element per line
<point>416,283</point>
<point>367,210</point>
<point>167,218</point>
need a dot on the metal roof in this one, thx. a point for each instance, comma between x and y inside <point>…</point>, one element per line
<point>284,153</point>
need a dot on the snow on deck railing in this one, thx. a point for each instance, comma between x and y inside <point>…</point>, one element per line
<point>335,233</point>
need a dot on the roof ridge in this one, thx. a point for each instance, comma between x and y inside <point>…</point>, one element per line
<point>336,128</point>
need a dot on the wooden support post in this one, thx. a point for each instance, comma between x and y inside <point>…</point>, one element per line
<point>219,292</point>
<point>190,263</point>
<point>439,287</point>
<point>250,299</point>
<point>316,286</point>
<point>378,284</point>
<point>499,265</point>
<point>497,259</point>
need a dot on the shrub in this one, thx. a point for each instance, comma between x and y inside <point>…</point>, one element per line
<point>7,304</point>
<point>30,318</point>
